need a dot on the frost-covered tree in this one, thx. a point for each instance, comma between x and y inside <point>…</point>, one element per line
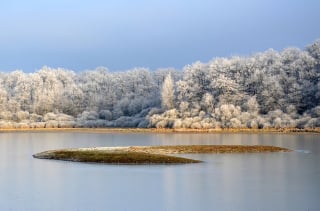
<point>267,89</point>
<point>167,93</point>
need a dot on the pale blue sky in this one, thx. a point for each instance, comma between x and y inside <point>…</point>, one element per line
<point>122,34</point>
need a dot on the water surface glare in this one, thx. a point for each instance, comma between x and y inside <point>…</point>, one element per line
<point>256,181</point>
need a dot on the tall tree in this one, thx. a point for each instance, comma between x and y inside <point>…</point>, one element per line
<point>167,93</point>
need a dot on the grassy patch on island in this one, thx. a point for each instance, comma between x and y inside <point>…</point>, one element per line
<point>112,157</point>
<point>148,154</point>
<point>186,149</point>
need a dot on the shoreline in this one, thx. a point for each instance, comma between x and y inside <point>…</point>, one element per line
<point>165,130</point>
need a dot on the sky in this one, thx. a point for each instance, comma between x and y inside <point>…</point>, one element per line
<point>124,34</point>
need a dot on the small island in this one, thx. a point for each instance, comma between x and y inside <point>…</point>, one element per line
<point>148,154</point>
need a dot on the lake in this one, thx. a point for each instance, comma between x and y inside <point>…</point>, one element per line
<point>256,181</point>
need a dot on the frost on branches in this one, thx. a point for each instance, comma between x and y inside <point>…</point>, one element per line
<point>266,90</point>
<point>167,93</point>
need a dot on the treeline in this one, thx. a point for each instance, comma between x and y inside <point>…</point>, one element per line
<point>266,90</point>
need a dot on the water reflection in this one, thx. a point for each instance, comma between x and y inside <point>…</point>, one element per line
<point>267,181</point>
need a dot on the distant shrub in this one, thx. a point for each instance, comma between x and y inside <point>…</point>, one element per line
<point>105,114</point>
<point>88,115</point>
<point>20,115</point>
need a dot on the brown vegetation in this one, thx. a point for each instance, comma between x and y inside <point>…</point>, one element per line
<point>112,157</point>
<point>147,154</point>
<point>187,149</point>
<point>164,130</point>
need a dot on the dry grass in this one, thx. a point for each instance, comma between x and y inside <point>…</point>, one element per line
<point>112,157</point>
<point>148,154</point>
<point>187,149</point>
<point>163,130</point>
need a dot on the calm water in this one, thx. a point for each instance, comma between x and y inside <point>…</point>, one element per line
<point>267,181</point>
